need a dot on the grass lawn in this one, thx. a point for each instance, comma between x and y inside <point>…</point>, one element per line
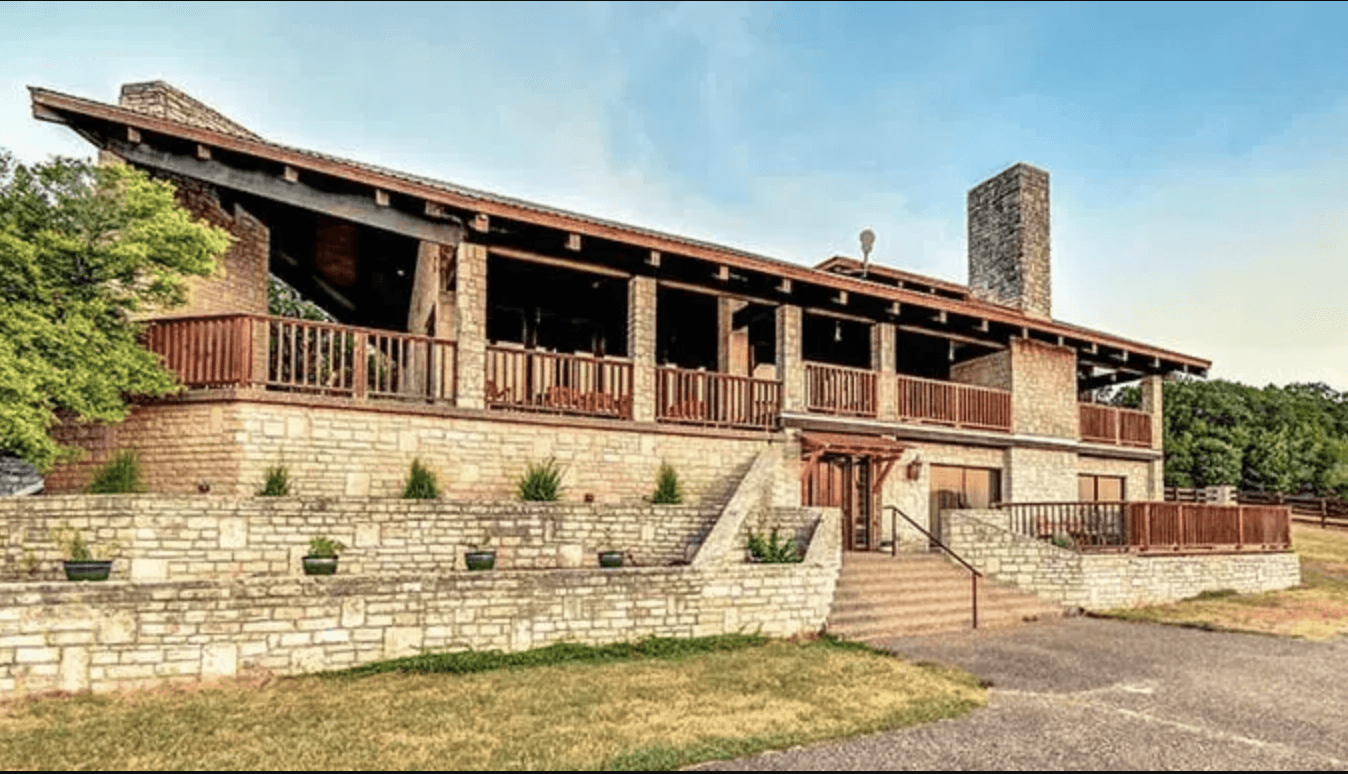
<point>559,708</point>
<point>1317,610</point>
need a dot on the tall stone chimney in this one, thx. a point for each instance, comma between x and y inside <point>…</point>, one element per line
<point>1008,241</point>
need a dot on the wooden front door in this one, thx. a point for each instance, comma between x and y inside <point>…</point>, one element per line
<point>845,482</point>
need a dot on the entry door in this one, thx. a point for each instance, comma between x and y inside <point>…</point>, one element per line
<point>845,482</point>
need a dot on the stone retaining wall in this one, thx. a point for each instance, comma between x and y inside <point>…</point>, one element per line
<point>1105,581</point>
<point>186,537</point>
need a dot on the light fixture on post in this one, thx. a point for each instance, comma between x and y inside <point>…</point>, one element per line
<point>867,242</point>
<point>837,330</point>
<point>915,470</point>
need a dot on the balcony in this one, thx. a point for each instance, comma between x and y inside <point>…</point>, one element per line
<point>286,354</point>
<point>1115,426</point>
<point>549,382</point>
<point>832,389</point>
<point>715,399</point>
<point>963,406</point>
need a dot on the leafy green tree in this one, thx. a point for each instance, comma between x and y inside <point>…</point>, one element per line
<point>82,249</point>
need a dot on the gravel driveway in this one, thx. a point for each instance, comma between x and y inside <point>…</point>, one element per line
<point>1095,694</point>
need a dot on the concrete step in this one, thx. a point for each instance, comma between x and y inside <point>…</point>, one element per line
<point>880,596</point>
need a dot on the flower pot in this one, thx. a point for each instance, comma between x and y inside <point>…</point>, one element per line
<point>92,570</point>
<point>480,560</point>
<point>610,558</point>
<point>320,565</point>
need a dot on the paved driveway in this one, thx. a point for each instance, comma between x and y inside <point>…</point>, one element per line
<point>1095,694</point>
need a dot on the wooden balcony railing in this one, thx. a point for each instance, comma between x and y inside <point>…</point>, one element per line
<point>1153,527</point>
<point>288,354</point>
<point>716,399</point>
<point>1115,426</point>
<point>832,389</point>
<point>950,403</point>
<point>531,380</point>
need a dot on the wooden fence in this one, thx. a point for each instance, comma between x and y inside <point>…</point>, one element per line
<point>951,403</point>
<point>534,380</point>
<point>832,389</point>
<point>1153,527</point>
<point>716,399</point>
<point>1309,509</point>
<point>293,355</point>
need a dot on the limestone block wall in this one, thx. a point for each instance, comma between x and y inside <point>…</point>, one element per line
<point>179,537</point>
<point>103,636</point>
<point>332,451</point>
<point>1040,475</point>
<point>1044,390</point>
<point>240,281</point>
<point>1105,581</point>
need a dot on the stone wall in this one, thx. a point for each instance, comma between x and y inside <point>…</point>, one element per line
<point>1044,390</point>
<point>103,636</point>
<point>239,283</point>
<point>173,537</point>
<point>992,370</point>
<point>159,99</point>
<point>1106,581</point>
<point>332,451</point>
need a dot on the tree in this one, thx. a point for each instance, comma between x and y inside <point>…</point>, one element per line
<point>83,248</point>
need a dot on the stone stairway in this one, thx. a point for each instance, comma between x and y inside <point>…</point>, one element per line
<point>879,596</point>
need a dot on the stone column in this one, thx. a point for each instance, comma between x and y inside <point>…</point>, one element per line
<point>641,346</point>
<point>1152,403</point>
<point>884,361</point>
<point>470,314</point>
<point>790,363</point>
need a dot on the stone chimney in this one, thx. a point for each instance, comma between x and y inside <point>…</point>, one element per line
<point>1008,241</point>
<point>159,99</point>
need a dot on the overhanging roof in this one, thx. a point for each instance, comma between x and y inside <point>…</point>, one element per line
<point>78,112</point>
<point>813,442</point>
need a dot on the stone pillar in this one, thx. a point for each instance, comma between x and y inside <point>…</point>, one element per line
<point>732,347</point>
<point>790,363</point>
<point>641,346</point>
<point>1151,389</point>
<point>470,313</point>
<point>1044,390</point>
<point>884,361</point>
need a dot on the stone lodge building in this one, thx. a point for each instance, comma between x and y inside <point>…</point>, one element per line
<point>480,333</point>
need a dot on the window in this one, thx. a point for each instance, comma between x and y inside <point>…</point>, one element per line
<point>1094,489</point>
<point>955,487</point>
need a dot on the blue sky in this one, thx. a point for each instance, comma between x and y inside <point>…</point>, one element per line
<point>1198,152</point>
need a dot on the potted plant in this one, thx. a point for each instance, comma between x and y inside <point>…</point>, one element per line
<point>322,558</point>
<point>610,557</point>
<point>81,563</point>
<point>480,556</point>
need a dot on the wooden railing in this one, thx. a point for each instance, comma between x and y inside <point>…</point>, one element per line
<point>304,356</point>
<point>1322,511</point>
<point>950,403</point>
<point>532,380</point>
<point>716,399</point>
<point>832,389</point>
<point>1153,527</point>
<point>1116,426</point>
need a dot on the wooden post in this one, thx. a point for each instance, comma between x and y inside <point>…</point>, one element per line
<point>359,367</point>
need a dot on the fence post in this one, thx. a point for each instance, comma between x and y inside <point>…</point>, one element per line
<point>360,368</point>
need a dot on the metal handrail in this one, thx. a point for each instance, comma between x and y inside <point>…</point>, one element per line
<point>974,574</point>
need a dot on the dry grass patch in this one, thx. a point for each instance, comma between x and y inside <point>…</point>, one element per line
<point>1317,610</point>
<point>648,713</point>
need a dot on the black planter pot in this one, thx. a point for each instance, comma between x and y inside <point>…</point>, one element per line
<point>610,558</point>
<point>92,570</point>
<point>480,560</point>
<point>320,565</point>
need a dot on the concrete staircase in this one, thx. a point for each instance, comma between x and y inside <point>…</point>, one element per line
<point>880,597</point>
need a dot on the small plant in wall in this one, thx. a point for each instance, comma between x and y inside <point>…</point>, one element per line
<point>541,482</point>
<point>421,484</point>
<point>322,558</point>
<point>480,555</point>
<point>667,487</point>
<point>610,555</point>
<point>277,483</point>
<point>84,561</point>
<point>120,475</point>
<point>772,550</point>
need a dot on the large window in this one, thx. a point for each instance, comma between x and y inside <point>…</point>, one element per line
<point>1100,489</point>
<point>958,487</point>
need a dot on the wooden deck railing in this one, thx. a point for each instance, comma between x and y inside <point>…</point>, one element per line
<point>832,389</point>
<point>716,399</point>
<point>532,380</point>
<point>296,355</point>
<point>1153,527</point>
<point>1116,426</point>
<point>951,403</point>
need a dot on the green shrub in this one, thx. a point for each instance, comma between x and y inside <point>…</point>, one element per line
<point>278,482</point>
<point>421,483</point>
<point>667,487</point>
<point>323,546</point>
<point>121,475</point>
<point>541,482</point>
<point>773,551</point>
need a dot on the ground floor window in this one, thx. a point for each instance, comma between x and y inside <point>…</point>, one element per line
<point>1096,489</point>
<point>960,487</point>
